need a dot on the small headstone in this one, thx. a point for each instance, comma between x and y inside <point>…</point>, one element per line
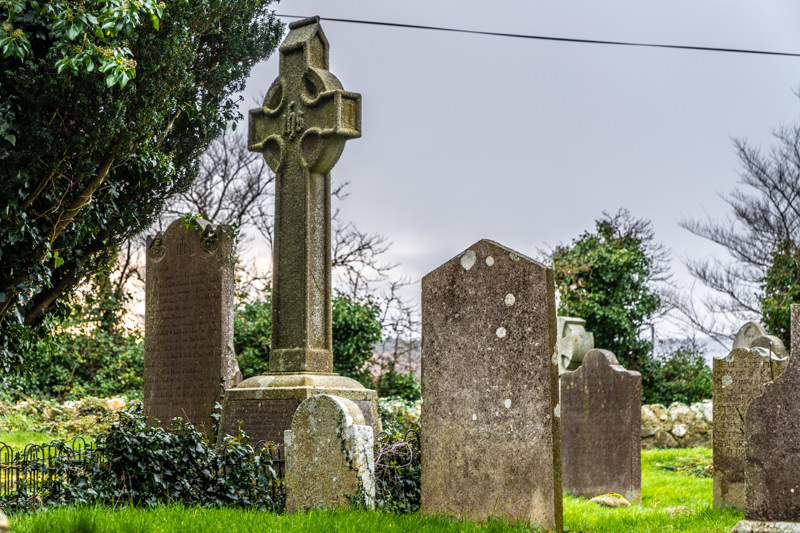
<point>188,323</point>
<point>772,468</point>
<point>601,426</point>
<point>5,527</point>
<point>574,342</point>
<point>329,457</point>
<point>747,334</point>
<point>490,427</point>
<point>738,379</point>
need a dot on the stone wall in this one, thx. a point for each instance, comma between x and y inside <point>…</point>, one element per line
<point>677,426</point>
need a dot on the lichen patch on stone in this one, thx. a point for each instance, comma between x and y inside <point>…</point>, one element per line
<point>510,299</point>
<point>468,259</point>
<point>490,261</point>
<point>501,332</point>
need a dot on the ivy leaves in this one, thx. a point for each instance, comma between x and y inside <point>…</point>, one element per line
<point>88,35</point>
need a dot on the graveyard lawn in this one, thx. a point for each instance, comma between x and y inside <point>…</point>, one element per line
<point>676,496</point>
<point>670,478</point>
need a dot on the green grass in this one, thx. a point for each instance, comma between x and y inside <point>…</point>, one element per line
<point>18,439</point>
<point>670,478</point>
<point>178,519</point>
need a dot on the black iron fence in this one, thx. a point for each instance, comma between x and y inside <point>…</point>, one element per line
<point>38,466</point>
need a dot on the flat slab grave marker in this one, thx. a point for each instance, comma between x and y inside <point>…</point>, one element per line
<point>188,322</point>
<point>738,379</point>
<point>601,427</point>
<point>301,130</point>
<point>772,451</point>
<point>490,428</point>
<point>329,455</point>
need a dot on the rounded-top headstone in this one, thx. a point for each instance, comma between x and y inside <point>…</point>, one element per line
<point>747,334</point>
<point>329,457</point>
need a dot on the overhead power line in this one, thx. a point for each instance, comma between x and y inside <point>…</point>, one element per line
<point>558,39</point>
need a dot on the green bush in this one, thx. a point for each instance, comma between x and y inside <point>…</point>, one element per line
<point>252,332</point>
<point>680,375</point>
<point>397,471</point>
<point>147,466</point>
<point>73,364</point>
<point>393,384</point>
<point>356,329</point>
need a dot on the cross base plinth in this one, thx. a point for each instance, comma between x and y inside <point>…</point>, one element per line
<point>263,406</point>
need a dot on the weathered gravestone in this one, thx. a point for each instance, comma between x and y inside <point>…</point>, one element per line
<point>738,379</point>
<point>188,322</point>
<point>772,451</point>
<point>490,428</point>
<point>573,343</point>
<point>329,457</point>
<point>753,335</point>
<point>601,427</point>
<point>301,130</point>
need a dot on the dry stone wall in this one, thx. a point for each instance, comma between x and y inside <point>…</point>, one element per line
<point>677,426</point>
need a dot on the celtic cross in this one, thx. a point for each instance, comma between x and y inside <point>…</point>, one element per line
<point>301,130</point>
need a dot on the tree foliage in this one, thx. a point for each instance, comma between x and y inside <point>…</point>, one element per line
<point>762,239</point>
<point>678,374</point>
<point>105,107</point>
<point>607,277</point>
<point>780,288</point>
<point>355,328</point>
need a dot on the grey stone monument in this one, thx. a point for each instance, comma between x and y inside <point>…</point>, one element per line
<point>738,379</point>
<point>329,455</point>
<point>301,130</point>
<point>573,343</point>
<point>188,322</point>
<point>490,427</point>
<point>601,405</point>
<point>772,451</point>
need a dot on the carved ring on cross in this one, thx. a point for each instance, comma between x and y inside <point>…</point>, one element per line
<point>334,113</point>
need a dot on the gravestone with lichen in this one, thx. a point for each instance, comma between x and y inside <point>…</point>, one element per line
<point>301,130</point>
<point>772,450</point>
<point>601,427</point>
<point>739,377</point>
<point>490,428</point>
<point>188,322</point>
<point>329,455</point>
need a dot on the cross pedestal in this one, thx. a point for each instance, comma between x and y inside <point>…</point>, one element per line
<point>301,129</point>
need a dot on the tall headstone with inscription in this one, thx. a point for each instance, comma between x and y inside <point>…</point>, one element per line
<point>490,427</point>
<point>772,451</point>
<point>601,427</point>
<point>188,322</point>
<point>301,130</point>
<point>738,379</point>
<point>329,455</point>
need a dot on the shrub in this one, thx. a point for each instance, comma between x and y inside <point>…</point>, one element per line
<point>393,384</point>
<point>397,471</point>
<point>146,466</point>
<point>680,375</point>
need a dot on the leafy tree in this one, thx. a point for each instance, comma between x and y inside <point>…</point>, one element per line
<point>780,289</point>
<point>90,352</point>
<point>356,329</point>
<point>762,238</point>
<point>678,374</point>
<point>104,110</point>
<point>608,278</point>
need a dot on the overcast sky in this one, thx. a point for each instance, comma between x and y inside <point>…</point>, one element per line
<point>527,142</point>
